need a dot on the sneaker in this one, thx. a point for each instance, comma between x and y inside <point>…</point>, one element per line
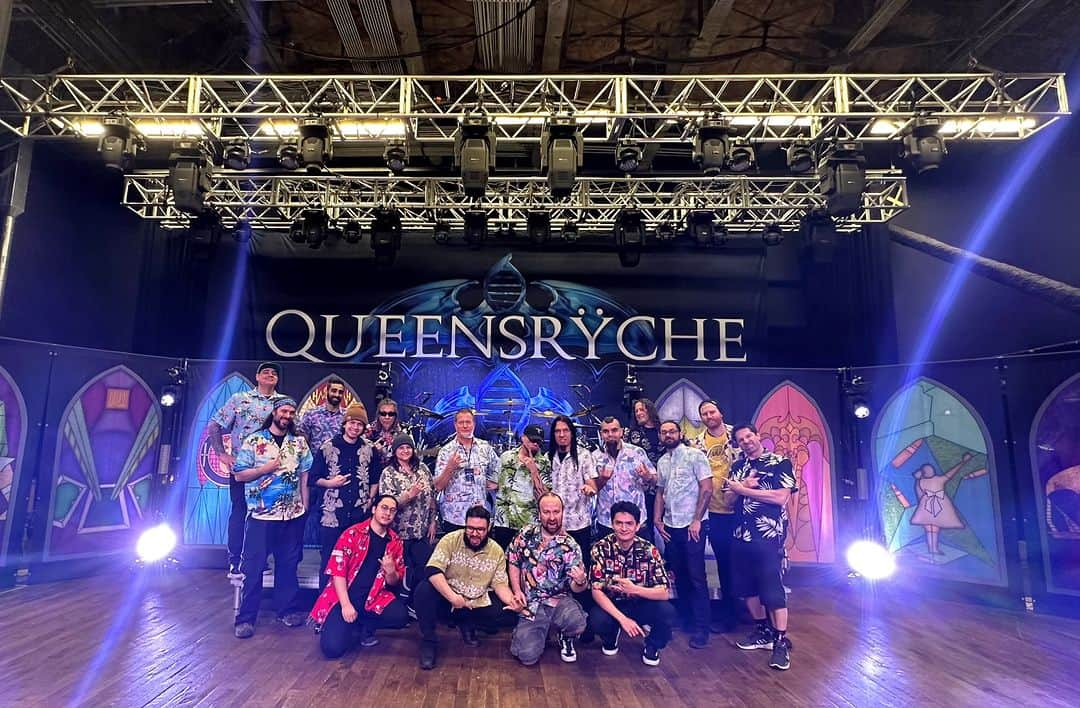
<point>699,640</point>
<point>427,655</point>
<point>244,630</point>
<point>234,570</point>
<point>760,638</point>
<point>650,655</point>
<point>566,649</point>
<point>613,648</point>
<point>369,639</point>
<point>293,619</point>
<point>781,655</point>
<point>468,635</point>
<point>721,627</point>
<point>411,610</point>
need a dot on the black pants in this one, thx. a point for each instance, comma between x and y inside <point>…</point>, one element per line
<point>339,636</point>
<point>646,531</point>
<point>237,516</point>
<point>503,535</point>
<point>721,535</point>
<point>686,558</point>
<point>417,553</point>
<point>285,541</point>
<point>427,601</point>
<point>328,538</point>
<point>658,614</point>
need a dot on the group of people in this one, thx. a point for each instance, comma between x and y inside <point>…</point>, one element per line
<point>561,539</point>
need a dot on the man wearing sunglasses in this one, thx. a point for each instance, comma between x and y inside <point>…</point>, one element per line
<point>381,432</point>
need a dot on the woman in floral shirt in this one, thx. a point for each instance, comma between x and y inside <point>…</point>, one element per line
<point>417,521</point>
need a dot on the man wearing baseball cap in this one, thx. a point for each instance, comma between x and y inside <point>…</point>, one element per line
<point>243,414</point>
<point>524,476</point>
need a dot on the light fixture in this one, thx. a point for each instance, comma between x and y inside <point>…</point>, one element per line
<point>236,155</point>
<point>316,224</point>
<point>570,231</point>
<point>316,148</point>
<point>384,382</point>
<point>205,228</point>
<point>538,227</point>
<point>190,175</point>
<point>742,157</point>
<point>441,233</point>
<point>119,143</point>
<point>629,236</point>
<point>870,560</point>
<point>562,150</point>
<point>800,157</point>
<point>155,544</point>
<point>711,145</point>
<point>628,155</point>
<point>921,144</point>
<point>476,228</point>
<point>474,152</point>
<point>700,226</point>
<point>860,408</point>
<point>288,154</point>
<point>351,232</point>
<point>386,235</point>
<point>395,155</point>
<point>665,231</point>
<point>819,236</point>
<point>242,232</point>
<point>773,234</point>
<point>170,395</point>
<point>296,231</point>
<point>843,179</point>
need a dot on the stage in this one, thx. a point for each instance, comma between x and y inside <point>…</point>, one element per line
<point>99,641</point>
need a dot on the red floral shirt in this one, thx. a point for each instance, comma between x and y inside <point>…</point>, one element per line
<point>345,562</point>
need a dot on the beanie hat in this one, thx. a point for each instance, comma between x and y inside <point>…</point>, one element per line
<point>402,439</point>
<point>356,411</point>
<point>284,401</point>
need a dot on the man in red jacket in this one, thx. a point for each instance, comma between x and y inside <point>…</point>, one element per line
<point>367,560</point>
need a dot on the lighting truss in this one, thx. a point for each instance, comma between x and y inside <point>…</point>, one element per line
<point>742,202</point>
<point>658,109</point>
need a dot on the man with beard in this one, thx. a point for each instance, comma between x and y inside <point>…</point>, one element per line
<point>645,433</point>
<point>273,464</point>
<point>630,587</point>
<point>243,414</point>
<point>342,471</point>
<point>367,561</point>
<point>682,500</point>
<point>545,568</point>
<point>759,488</point>
<point>524,474</point>
<point>324,422</point>
<point>464,471</point>
<point>624,473</point>
<point>463,570</point>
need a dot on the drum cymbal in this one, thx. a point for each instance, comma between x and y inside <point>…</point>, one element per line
<point>425,412</point>
<point>547,414</point>
<point>498,431</point>
<point>509,403</point>
<point>585,411</point>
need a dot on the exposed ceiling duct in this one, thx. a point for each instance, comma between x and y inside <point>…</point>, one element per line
<point>506,31</point>
<point>382,38</point>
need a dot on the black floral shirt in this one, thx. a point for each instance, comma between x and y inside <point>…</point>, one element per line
<point>641,563</point>
<point>759,521</point>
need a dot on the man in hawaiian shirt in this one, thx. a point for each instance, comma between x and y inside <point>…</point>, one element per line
<point>630,587</point>
<point>545,567</point>
<point>759,487</point>
<point>464,469</point>
<point>273,464</point>
<point>624,473</point>
<point>524,474</point>
<point>682,501</point>
<point>324,422</point>
<point>243,414</point>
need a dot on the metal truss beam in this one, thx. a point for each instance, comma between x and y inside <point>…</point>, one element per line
<point>661,109</point>
<point>742,202</point>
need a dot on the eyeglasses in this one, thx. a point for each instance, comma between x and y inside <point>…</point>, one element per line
<point>473,530</point>
<point>384,507</point>
<point>387,414</point>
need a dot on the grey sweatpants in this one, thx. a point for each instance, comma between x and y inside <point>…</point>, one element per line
<point>530,634</point>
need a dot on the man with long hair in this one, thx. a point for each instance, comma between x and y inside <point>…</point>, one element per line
<point>645,433</point>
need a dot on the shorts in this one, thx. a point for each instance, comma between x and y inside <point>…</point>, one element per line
<point>756,572</point>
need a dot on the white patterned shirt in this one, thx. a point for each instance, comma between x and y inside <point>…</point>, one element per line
<point>680,470</point>
<point>567,479</point>
<point>468,485</point>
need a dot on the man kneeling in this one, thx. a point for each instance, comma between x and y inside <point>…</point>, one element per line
<point>367,559</point>
<point>630,587</point>
<point>545,567</point>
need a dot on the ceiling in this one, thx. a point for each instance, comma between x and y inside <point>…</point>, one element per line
<point>540,36</point>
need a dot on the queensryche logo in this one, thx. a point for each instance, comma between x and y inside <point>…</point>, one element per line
<point>510,337</point>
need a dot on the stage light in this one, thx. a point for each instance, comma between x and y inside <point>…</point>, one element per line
<point>236,155</point>
<point>699,225</point>
<point>169,396</point>
<point>711,145</point>
<point>870,560</point>
<point>441,233</point>
<point>819,236</point>
<point>538,227</point>
<point>288,155</point>
<point>570,232</point>
<point>628,155</point>
<point>316,224</point>
<point>296,231</point>
<point>384,382</point>
<point>800,157</point>
<point>119,143</point>
<point>629,236</point>
<point>665,231</point>
<point>155,544</point>
<point>351,232</point>
<point>205,228</point>
<point>316,148</point>
<point>476,228</point>
<point>242,232</point>
<point>773,235</point>
<point>395,156</point>
<point>843,179</point>
<point>742,158</point>
<point>860,409</point>
<point>474,152</point>
<point>386,235</point>
<point>190,175</point>
<point>921,144</point>
<point>562,150</point>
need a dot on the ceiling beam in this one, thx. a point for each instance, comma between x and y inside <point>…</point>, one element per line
<point>711,25</point>
<point>6,8</point>
<point>1000,23</point>
<point>405,20</point>
<point>557,12</point>
<point>883,14</point>
<point>251,16</point>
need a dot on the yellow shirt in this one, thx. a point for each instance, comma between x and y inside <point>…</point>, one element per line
<point>719,452</point>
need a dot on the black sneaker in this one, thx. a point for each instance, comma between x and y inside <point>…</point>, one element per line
<point>234,570</point>
<point>293,619</point>
<point>368,638</point>
<point>244,630</point>
<point>613,648</point>
<point>427,655</point>
<point>650,655</point>
<point>699,640</point>
<point>781,655</point>
<point>468,635</point>
<point>760,638</point>
<point>566,649</point>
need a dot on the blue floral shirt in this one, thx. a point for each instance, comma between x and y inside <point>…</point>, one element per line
<point>468,486</point>
<point>244,413</point>
<point>319,425</point>
<point>274,497</point>
<point>680,471</point>
<point>544,564</point>
<point>625,483</point>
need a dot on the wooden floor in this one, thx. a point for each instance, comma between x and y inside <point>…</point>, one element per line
<point>103,641</point>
